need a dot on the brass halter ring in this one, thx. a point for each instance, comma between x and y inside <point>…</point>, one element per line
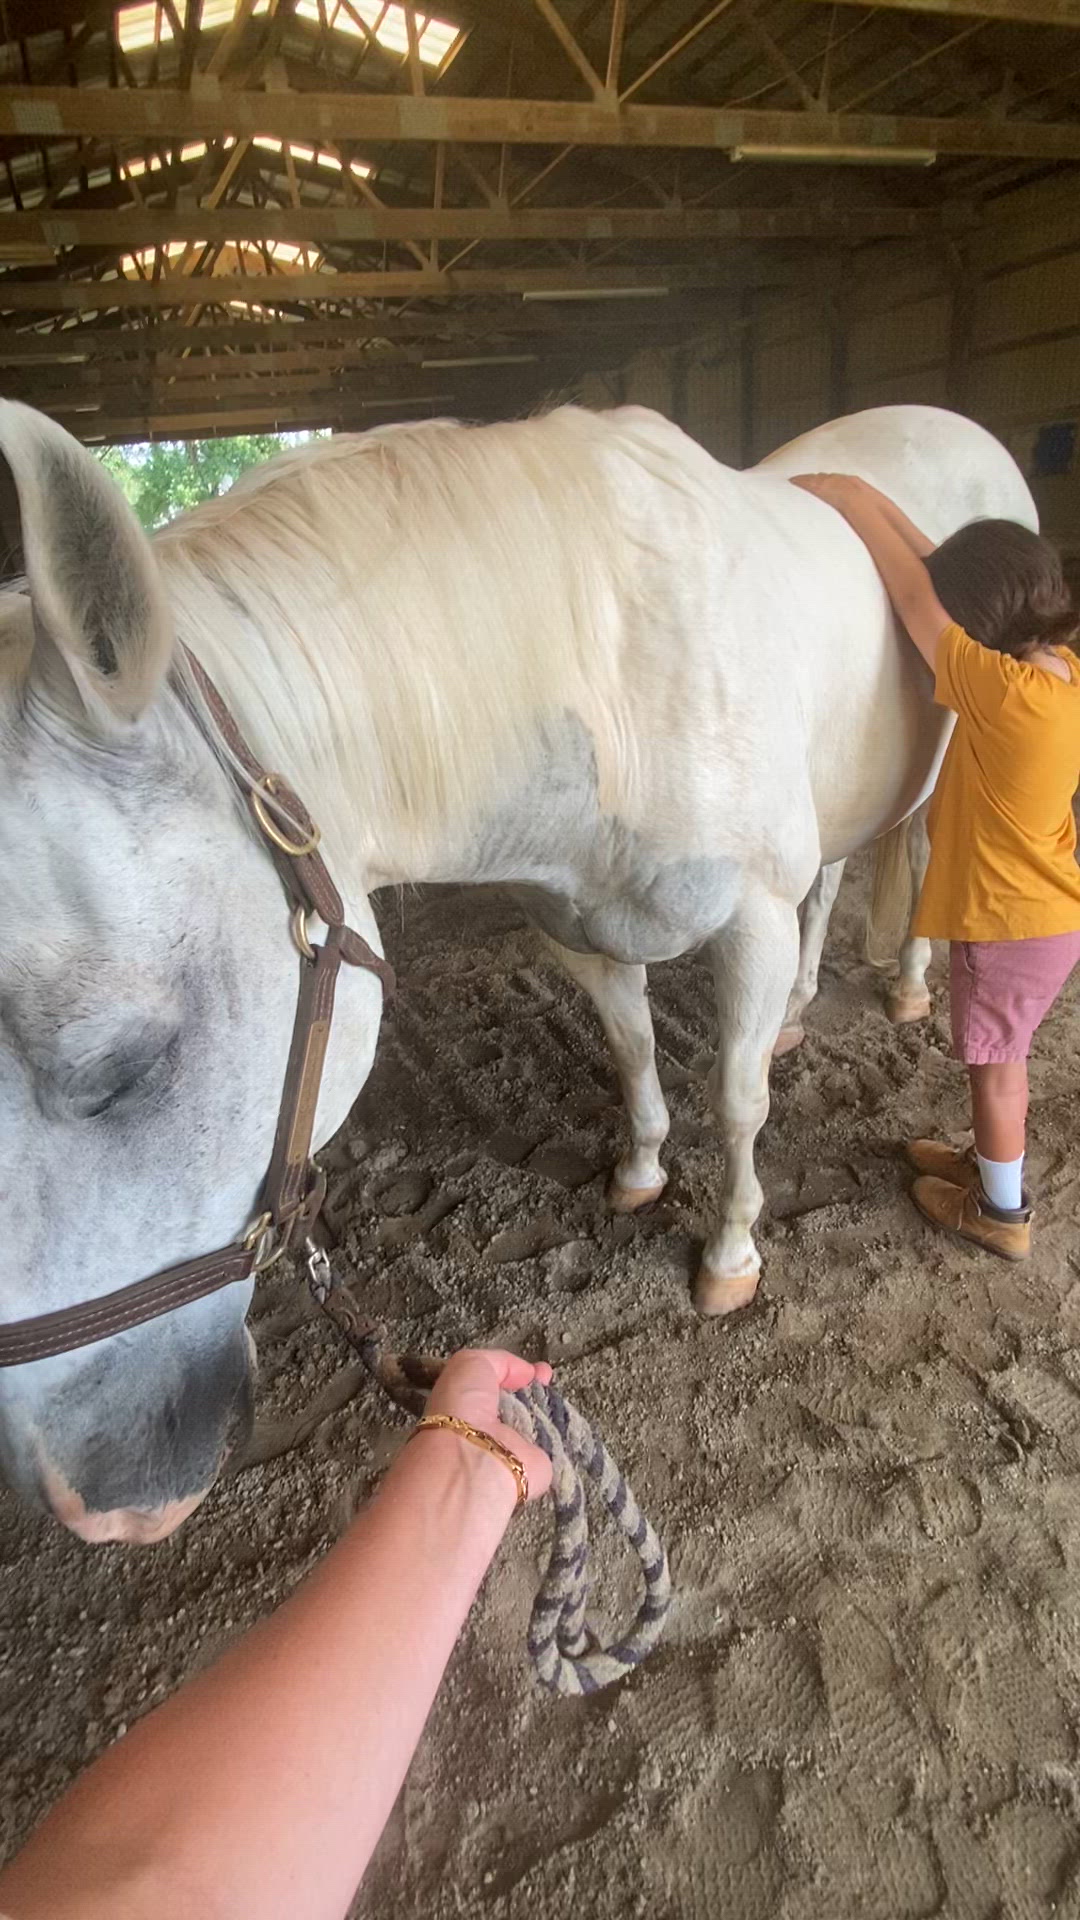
<point>298,927</point>
<point>263,790</point>
<point>263,1241</point>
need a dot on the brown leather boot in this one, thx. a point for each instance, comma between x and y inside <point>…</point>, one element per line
<point>966,1211</point>
<point>957,1165</point>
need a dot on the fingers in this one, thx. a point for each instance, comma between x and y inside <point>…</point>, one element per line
<point>469,1386</point>
<point>510,1370</point>
<point>487,1371</point>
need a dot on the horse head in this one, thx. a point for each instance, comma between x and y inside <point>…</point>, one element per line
<point>147,993</point>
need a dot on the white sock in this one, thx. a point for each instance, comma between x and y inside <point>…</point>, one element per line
<point>1002,1181</point>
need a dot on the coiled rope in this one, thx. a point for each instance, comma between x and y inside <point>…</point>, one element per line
<point>567,1657</point>
<point>563,1651</point>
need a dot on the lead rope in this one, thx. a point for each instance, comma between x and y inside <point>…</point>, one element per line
<point>567,1657</point>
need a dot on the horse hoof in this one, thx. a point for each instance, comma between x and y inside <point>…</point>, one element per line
<point>719,1293</point>
<point>631,1199</point>
<point>905,1007</point>
<point>787,1040</point>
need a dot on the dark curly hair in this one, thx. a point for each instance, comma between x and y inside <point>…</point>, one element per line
<point>1005,586</point>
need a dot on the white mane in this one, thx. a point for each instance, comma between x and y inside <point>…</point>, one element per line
<point>393,614</point>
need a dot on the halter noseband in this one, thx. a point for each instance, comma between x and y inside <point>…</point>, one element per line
<point>294,1187</point>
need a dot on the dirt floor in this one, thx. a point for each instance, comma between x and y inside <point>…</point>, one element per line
<point>868,1700</point>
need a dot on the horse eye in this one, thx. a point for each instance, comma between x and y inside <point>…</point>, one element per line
<point>90,1105</point>
<point>134,1065</point>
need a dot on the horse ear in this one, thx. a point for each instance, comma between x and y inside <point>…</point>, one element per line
<point>99,605</point>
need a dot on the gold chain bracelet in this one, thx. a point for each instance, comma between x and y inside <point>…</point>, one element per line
<point>449,1423</point>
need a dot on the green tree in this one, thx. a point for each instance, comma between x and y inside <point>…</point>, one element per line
<point>162,478</point>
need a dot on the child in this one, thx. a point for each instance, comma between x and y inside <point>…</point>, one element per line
<point>988,611</point>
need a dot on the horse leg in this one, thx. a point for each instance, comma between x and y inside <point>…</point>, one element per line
<point>909,999</point>
<point>618,993</point>
<point>754,960</point>
<point>814,925</point>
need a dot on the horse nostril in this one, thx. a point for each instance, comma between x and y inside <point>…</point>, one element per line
<point>135,1526</point>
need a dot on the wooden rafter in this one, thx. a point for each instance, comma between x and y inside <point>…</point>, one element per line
<point>774,52</point>
<point>675,47</point>
<point>68,345</point>
<point>287,114</point>
<point>416,65</point>
<point>570,46</point>
<point>128,227</point>
<point>57,296</point>
<point>231,37</point>
<point>336,410</point>
<point>1049,13</point>
<point>615,46</point>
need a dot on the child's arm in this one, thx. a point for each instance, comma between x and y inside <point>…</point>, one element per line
<point>897,549</point>
<point>909,532</point>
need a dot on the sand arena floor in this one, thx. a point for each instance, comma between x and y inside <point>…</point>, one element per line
<point>866,1707</point>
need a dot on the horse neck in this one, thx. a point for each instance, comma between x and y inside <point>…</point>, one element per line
<point>292,726</point>
<point>402,700</point>
<point>301,716</point>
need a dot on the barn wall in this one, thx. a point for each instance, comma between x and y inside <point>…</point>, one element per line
<point>11,555</point>
<point>991,327</point>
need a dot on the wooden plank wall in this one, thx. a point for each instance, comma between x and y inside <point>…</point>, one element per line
<point>991,327</point>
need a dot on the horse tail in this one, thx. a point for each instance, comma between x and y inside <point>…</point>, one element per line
<point>889,913</point>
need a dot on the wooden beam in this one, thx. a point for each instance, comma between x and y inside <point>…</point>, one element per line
<point>258,374</point>
<point>124,113</point>
<point>316,389</point>
<point>615,46</point>
<point>775,52</point>
<point>89,343</point>
<point>570,46</point>
<point>675,47</point>
<point>280,289</point>
<point>193,426</point>
<point>224,180</point>
<point>130,227</point>
<point>438,196</point>
<point>337,410</point>
<point>231,37</point>
<point>230,368</point>
<point>1039,13</point>
<point>416,66</point>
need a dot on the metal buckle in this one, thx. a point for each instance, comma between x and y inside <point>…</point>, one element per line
<point>319,1272</point>
<point>265,789</point>
<point>262,1240</point>
<point>298,927</point>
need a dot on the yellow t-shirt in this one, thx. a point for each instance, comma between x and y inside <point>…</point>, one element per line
<point>1002,834</point>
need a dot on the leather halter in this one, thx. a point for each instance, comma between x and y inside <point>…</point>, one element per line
<point>294,1188</point>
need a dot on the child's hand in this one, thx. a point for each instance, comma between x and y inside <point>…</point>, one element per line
<point>838,490</point>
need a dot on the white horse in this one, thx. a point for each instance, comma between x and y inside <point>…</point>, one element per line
<point>573,655</point>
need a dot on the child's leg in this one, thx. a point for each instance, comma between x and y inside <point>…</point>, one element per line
<point>999,1103</point>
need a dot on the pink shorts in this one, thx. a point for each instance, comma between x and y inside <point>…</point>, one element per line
<point>1001,990</point>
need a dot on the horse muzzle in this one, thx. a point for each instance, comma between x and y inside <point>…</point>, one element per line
<point>133,1526</point>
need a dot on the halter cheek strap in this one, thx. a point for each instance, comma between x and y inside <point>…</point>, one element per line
<point>294,1188</point>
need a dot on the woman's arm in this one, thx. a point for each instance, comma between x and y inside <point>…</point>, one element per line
<point>885,531</point>
<point>262,1786</point>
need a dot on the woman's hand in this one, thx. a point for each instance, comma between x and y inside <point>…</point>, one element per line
<point>469,1387</point>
